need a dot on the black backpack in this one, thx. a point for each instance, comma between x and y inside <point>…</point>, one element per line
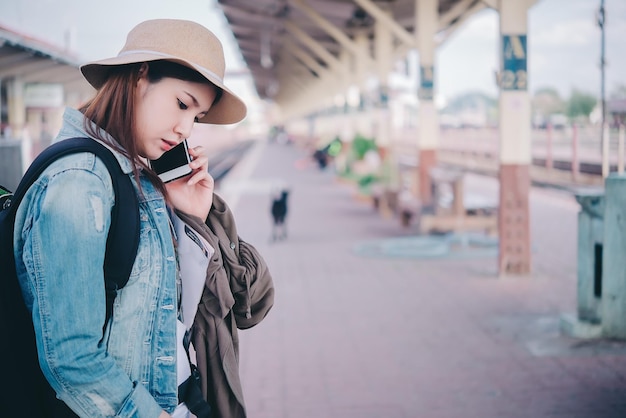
<point>25,390</point>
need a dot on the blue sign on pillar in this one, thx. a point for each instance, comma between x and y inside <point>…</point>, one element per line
<point>514,63</point>
<point>383,96</point>
<point>427,82</point>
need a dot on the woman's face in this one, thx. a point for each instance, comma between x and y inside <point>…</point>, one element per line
<point>166,111</point>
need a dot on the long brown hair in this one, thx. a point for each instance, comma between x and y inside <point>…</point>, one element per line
<point>113,108</point>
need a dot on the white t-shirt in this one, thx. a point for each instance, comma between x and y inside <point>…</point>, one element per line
<point>194,253</point>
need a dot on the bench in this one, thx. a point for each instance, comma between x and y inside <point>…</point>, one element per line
<point>455,211</point>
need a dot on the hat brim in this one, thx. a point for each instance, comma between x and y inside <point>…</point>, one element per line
<point>228,109</point>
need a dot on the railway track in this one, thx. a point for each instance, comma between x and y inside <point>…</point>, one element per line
<point>223,161</point>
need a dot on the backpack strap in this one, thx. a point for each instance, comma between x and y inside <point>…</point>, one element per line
<point>123,238</point>
<point>29,394</point>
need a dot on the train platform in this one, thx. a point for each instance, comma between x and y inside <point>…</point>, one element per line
<point>366,326</point>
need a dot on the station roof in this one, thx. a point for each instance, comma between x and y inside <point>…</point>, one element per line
<point>268,30</point>
<point>35,61</point>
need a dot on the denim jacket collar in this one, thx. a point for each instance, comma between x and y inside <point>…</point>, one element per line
<point>74,126</point>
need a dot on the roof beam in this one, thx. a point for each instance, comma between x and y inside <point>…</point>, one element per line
<point>242,30</point>
<point>306,59</point>
<point>331,29</point>
<point>14,58</point>
<point>462,16</point>
<point>456,12</point>
<point>380,15</point>
<point>495,4</point>
<point>57,74</point>
<point>312,44</point>
<point>20,69</point>
<point>248,14</point>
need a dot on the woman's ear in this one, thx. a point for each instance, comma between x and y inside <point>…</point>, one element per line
<point>143,70</point>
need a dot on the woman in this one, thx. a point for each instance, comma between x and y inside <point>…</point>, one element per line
<point>167,77</point>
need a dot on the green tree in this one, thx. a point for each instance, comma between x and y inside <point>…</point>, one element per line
<point>547,101</point>
<point>361,145</point>
<point>580,104</point>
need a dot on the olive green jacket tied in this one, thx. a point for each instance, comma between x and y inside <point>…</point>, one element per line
<point>238,293</point>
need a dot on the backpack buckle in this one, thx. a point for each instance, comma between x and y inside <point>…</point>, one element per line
<point>5,200</point>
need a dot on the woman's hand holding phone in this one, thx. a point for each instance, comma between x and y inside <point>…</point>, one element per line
<point>193,194</point>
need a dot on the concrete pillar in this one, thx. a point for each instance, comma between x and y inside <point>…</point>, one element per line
<point>613,260</point>
<point>426,19</point>
<point>347,127</point>
<point>383,48</point>
<point>515,141</point>
<point>15,107</point>
<point>361,60</point>
<point>367,119</point>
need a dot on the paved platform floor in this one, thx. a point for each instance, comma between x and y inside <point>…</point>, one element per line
<point>353,336</point>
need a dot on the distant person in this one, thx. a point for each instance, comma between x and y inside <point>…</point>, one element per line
<point>321,156</point>
<point>327,153</point>
<point>168,76</point>
<point>279,211</point>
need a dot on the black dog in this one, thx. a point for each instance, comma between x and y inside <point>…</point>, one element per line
<point>279,213</point>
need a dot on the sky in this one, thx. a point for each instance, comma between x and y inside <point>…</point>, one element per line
<point>563,40</point>
<point>564,44</point>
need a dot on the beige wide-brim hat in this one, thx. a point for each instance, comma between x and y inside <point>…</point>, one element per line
<point>181,41</point>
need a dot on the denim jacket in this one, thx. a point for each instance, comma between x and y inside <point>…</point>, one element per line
<point>60,236</point>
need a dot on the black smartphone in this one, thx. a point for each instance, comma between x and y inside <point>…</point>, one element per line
<point>173,164</point>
